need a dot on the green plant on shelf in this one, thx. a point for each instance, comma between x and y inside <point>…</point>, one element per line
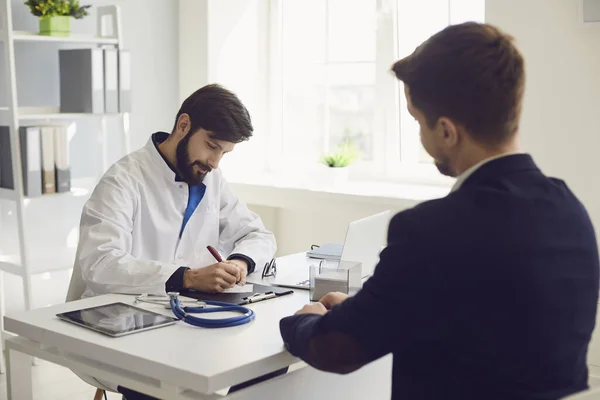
<point>342,156</point>
<point>57,8</point>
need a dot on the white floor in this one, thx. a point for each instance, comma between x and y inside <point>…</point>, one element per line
<point>53,382</point>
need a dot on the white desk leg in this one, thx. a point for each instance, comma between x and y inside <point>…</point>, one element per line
<point>18,375</point>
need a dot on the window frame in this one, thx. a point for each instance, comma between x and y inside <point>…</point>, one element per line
<point>388,140</point>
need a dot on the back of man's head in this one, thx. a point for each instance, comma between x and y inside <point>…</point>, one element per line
<point>472,74</point>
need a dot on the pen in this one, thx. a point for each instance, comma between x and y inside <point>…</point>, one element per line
<point>215,253</point>
<point>258,297</point>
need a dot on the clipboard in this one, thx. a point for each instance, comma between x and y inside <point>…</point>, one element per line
<point>259,293</point>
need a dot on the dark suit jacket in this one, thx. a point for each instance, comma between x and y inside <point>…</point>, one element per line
<point>488,293</point>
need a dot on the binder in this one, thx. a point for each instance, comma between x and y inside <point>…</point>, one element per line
<point>111,78</point>
<point>6,178</point>
<point>124,81</point>
<point>30,148</point>
<point>48,176</point>
<point>259,293</point>
<point>81,80</point>
<point>31,160</point>
<point>62,164</point>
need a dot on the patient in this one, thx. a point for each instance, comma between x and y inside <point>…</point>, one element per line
<point>490,292</point>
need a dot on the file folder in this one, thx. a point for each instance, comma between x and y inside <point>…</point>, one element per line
<point>48,176</point>
<point>81,80</point>
<point>61,160</point>
<point>124,81</point>
<point>111,78</point>
<point>30,148</point>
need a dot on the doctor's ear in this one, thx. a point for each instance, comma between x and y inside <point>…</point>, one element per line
<point>183,125</point>
<point>449,131</point>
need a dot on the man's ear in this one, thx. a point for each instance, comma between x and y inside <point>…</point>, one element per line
<point>448,131</point>
<point>183,125</point>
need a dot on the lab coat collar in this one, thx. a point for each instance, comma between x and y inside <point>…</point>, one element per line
<point>166,168</point>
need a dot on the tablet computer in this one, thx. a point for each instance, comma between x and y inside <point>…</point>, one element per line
<point>117,319</point>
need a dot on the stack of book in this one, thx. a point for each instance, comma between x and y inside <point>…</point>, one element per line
<point>44,159</point>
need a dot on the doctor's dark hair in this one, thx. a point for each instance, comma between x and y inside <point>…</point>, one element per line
<point>471,73</point>
<point>219,111</point>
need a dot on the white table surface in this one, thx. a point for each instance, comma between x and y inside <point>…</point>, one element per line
<point>204,360</point>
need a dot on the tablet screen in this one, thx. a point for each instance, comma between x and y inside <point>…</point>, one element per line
<point>117,319</point>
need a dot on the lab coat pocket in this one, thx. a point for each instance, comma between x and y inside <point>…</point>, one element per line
<point>204,231</point>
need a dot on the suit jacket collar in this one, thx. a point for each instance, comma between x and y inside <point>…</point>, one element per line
<point>500,168</point>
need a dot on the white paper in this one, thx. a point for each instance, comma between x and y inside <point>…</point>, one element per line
<point>247,288</point>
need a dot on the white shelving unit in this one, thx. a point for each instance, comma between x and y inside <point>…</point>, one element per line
<point>24,264</point>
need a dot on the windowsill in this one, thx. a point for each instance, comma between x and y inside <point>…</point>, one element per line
<point>292,191</point>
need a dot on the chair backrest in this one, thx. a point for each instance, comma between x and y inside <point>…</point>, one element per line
<point>76,285</point>
<point>592,394</point>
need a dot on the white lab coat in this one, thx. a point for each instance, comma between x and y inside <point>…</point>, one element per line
<point>129,233</point>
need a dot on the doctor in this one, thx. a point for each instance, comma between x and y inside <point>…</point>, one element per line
<point>147,225</point>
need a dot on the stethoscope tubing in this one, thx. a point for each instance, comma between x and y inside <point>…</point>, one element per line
<point>184,314</point>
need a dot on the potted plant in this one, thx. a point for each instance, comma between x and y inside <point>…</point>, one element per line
<point>55,15</point>
<point>338,161</point>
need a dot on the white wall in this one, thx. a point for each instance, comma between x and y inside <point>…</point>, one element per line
<point>151,34</point>
<point>560,125</point>
<point>225,42</point>
<point>561,102</point>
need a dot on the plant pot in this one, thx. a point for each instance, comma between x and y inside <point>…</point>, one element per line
<point>55,26</point>
<point>334,176</point>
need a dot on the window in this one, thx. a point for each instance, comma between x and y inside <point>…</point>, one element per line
<point>330,79</point>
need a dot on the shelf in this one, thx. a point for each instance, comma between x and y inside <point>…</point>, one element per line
<point>40,263</point>
<point>8,194</point>
<point>53,113</point>
<point>23,36</point>
<point>79,187</point>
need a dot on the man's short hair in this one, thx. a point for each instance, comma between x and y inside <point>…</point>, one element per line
<point>217,110</point>
<point>471,73</point>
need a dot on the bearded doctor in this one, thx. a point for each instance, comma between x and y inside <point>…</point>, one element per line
<point>147,225</point>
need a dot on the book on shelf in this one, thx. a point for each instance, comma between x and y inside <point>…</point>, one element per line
<point>62,164</point>
<point>45,164</point>
<point>48,175</point>
<point>29,139</point>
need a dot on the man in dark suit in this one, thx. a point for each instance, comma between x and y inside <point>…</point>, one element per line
<point>490,292</point>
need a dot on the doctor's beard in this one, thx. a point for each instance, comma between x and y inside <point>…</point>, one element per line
<point>187,168</point>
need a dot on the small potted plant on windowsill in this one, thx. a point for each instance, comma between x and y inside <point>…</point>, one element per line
<point>338,161</point>
<point>55,15</point>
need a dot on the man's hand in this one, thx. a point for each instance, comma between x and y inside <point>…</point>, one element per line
<point>214,278</point>
<point>333,299</point>
<point>315,308</point>
<point>243,267</point>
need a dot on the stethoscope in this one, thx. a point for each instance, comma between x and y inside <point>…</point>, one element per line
<point>183,313</point>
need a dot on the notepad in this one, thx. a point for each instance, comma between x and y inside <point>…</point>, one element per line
<point>329,251</point>
<point>247,288</point>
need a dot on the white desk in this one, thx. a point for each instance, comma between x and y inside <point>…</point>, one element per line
<point>185,362</point>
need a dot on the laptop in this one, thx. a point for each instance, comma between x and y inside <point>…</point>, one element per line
<point>365,239</point>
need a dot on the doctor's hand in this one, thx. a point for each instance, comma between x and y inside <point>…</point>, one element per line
<point>332,299</point>
<point>242,266</point>
<point>213,278</point>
